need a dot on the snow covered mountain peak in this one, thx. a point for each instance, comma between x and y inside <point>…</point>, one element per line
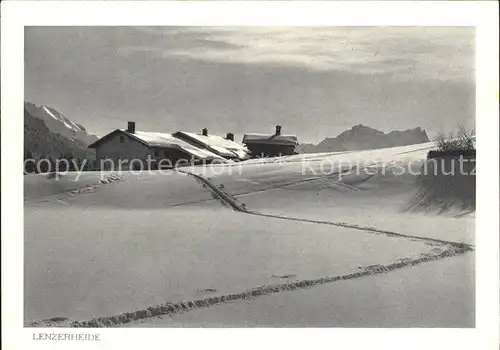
<point>59,123</point>
<point>60,117</point>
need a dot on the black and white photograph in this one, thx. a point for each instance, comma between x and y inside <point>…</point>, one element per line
<point>249,177</point>
<point>201,176</point>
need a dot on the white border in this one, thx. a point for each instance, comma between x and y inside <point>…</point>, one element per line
<point>483,15</point>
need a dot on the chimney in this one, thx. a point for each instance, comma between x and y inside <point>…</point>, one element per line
<point>131,127</point>
<point>204,132</point>
<point>230,136</point>
<point>278,129</point>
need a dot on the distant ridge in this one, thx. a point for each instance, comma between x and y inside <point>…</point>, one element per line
<point>361,137</point>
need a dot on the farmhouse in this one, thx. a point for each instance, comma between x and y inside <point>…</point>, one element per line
<point>138,149</point>
<point>262,145</point>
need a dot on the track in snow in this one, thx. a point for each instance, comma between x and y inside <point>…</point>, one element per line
<point>170,309</point>
<point>240,207</point>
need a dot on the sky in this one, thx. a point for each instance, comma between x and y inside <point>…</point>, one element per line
<point>314,81</point>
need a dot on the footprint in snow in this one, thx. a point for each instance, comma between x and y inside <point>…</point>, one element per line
<point>58,319</point>
<point>371,267</point>
<point>284,276</point>
<point>208,290</point>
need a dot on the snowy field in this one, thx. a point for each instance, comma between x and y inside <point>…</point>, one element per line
<point>110,244</point>
<point>407,298</point>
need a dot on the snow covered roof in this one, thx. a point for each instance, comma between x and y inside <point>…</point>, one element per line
<point>217,144</point>
<point>155,139</point>
<point>158,139</point>
<point>270,139</point>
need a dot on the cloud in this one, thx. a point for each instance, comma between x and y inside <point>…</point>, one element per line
<point>442,53</point>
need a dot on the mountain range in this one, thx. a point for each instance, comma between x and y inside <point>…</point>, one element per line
<point>361,137</point>
<point>48,133</point>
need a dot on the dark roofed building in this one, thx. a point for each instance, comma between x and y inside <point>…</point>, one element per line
<point>274,145</point>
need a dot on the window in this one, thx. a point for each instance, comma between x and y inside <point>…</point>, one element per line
<point>165,153</point>
<point>122,139</point>
<point>157,153</point>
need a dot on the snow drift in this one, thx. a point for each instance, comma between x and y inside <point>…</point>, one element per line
<point>446,184</point>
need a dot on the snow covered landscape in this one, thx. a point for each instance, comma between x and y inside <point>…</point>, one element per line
<point>191,176</point>
<point>320,239</point>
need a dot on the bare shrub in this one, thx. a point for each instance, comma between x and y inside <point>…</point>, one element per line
<point>462,140</point>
